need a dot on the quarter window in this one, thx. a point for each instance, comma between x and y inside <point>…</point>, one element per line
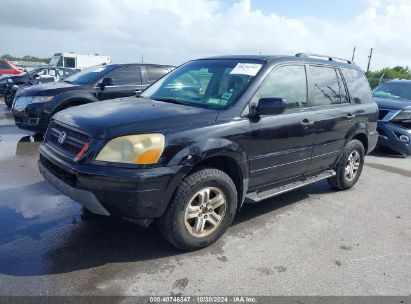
<point>326,90</point>
<point>289,83</point>
<point>358,86</point>
<point>155,73</point>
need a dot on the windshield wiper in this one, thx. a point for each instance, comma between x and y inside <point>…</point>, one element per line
<point>171,100</point>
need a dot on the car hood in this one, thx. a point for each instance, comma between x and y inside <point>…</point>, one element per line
<point>50,89</point>
<point>392,104</point>
<point>133,115</point>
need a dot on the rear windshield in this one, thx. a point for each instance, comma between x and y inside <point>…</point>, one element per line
<point>205,83</point>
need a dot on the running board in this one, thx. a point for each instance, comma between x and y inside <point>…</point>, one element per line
<point>255,197</point>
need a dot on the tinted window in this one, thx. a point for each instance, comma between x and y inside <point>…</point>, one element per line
<point>126,76</point>
<point>358,86</point>
<point>289,83</point>
<point>4,65</point>
<point>69,62</point>
<point>326,90</point>
<point>343,89</point>
<point>155,73</point>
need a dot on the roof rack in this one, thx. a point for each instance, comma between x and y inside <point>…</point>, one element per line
<point>330,58</point>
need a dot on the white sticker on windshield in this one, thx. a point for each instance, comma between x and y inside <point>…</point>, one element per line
<point>246,68</point>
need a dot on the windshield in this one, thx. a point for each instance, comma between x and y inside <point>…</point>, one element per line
<point>205,83</point>
<point>89,75</point>
<point>55,60</point>
<point>394,90</point>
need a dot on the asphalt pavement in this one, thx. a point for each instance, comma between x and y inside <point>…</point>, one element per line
<point>313,241</point>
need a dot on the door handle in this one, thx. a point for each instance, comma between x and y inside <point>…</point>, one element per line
<point>350,116</point>
<point>307,123</point>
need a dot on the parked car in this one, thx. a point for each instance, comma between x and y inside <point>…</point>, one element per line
<point>34,106</point>
<point>210,135</point>
<point>42,74</point>
<point>6,67</point>
<point>394,124</point>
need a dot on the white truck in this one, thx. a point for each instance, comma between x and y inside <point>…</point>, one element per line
<point>78,61</point>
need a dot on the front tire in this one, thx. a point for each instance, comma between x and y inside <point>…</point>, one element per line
<point>8,100</point>
<point>201,210</point>
<point>349,167</point>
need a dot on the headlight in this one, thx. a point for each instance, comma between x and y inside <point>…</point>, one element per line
<point>403,115</point>
<point>141,149</point>
<point>39,99</point>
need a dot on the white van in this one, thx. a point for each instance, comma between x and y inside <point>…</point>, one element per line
<point>78,61</point>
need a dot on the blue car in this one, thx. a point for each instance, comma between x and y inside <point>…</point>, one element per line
<point>394,123</point>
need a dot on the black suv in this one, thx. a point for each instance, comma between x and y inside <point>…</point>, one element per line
<point>212,134</point>
<point>34,106</point>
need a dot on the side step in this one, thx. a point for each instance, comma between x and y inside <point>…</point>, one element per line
<point>255,197</point>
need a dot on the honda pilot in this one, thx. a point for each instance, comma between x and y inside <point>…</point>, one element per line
<point>211,135</point>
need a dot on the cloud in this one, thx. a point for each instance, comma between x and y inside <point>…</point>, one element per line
<point>174,31</point>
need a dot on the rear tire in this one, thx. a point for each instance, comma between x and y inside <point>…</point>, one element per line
<point>201,210</point>
<point>349,167</point>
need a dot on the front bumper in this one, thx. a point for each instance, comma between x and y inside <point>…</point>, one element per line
<point>110,190</point>
<point>31,118</point>
<point>389,136</point>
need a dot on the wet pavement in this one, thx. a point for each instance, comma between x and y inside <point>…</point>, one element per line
<point>313,241</point>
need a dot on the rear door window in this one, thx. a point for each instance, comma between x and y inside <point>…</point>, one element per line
<point>325,86</point>
<point>155,73</point>
<point>358,86</point>
<point>126,76</point>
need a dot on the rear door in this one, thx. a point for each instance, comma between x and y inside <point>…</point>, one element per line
<point>282,144</point>
<point>126,81</point>
<point>334,115</point>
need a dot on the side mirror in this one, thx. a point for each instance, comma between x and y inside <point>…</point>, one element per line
<point>270,106</point>
<point>138,93</point>
<point>36,76</point>
<point>105,82</point>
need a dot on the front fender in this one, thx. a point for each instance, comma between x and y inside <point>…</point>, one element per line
<point>61,100</point>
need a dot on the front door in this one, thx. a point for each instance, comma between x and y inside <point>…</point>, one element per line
<point>282,144</point>
<point>126,81</point>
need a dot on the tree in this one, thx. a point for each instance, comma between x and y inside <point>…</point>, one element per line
<point>397,72</point>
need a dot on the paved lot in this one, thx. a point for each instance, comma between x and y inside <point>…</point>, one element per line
<point>313,241</point>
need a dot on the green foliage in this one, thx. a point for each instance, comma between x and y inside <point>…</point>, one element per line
<point>25,58</point>
<point>385,74</point>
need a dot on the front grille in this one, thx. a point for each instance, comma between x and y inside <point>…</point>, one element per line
<point>73,139</point>
<point>66,177</point>
<point>382,114</point>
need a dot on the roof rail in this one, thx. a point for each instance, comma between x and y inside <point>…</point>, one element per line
<point>330,58</point>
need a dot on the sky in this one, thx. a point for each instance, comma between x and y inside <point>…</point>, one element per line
<point>175,31</point>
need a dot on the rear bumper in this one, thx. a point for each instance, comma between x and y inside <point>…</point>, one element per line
<point>109,190</point>
<point>372,141</point>
<point>390,137</point>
